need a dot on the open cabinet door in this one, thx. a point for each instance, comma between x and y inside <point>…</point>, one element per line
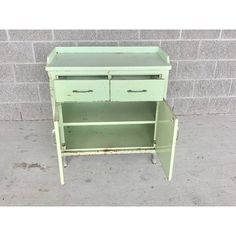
<point>58,144</point>
<point>166,134</point>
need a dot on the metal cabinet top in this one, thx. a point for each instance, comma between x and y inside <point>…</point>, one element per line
<point>109,58</point>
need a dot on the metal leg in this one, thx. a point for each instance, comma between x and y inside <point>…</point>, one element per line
<point>65,162</point>
<point>53,137</point>
<point>154,159</point>
<point>60,158</point>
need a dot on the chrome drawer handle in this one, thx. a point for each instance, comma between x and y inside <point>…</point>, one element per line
<point>82,91</point>
<point>137,91</point>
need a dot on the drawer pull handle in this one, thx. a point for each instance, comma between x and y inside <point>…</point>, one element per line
<point>82,91</point>
<point>137,91</point>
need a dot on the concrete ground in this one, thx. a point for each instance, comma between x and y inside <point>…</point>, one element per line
<point>204,171</point>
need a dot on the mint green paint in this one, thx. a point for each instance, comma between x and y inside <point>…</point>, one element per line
<point>110,58</point>
<point>81,90</point>
<point>107,136</point>
<point>166,134</point>
<point>137,90</point>
<point>89,113</point>
<point>110,100</point>
<point>59,149</point>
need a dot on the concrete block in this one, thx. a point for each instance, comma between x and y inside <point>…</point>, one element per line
<point>159,34</point>
<point>232,105</point>
<point>228,34</point>
<point>173,72</point>
<point>196,69</point>
<point>200,34</point>
<point>16,52</point>
<point>219,105</point>
<point>9,112</point>
<point>6,73</point>
<point>187,106</point>
<point>75,34</point>
<point>226,69</point>
<point>170,102</point>
<point>224,49</point>
<point>42,50</point>
<point>180,89</point>
<point>97,43</point>
<point>117,34</point>
<point>233,88</point>
<point>139,43</point>
<point>30,35</point>
<point>18,93</point>
<point>36,111</point>
<point>180,50</point>
<point>30,73</point>
<point>44,92</point>
<point>212,88</point>
<point>3,35</point>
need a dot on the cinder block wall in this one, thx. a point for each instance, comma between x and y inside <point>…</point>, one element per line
<point>203,78</point>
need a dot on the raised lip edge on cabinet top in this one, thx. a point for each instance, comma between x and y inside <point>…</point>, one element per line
<point>57,51</point>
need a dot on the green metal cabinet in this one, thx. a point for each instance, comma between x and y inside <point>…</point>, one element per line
<point>109,100</point>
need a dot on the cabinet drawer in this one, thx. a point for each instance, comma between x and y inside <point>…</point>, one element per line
<point>83,90</point>
<point>137,90</point>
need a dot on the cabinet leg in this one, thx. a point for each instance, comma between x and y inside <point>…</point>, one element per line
<point>154,159</point>
<point>65,162</point>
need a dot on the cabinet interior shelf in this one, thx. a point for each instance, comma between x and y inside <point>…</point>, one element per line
<point>105,137</point>
<point>105,113</point>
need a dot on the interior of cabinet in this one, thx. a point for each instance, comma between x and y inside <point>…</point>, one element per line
<point>98,113</point>
<point>106,136</point>
<point>104,125</point>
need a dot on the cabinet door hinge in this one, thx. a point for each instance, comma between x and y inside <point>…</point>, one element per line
<point>63,146</point>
